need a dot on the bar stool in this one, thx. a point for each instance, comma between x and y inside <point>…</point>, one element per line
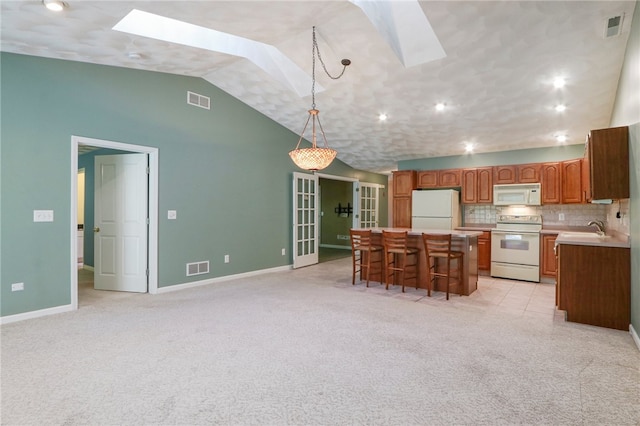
<point>396,255</point>
<point>438,246</point>
<point>362,252</point>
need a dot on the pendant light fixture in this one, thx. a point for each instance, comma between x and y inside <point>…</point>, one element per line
<point>315,158</point>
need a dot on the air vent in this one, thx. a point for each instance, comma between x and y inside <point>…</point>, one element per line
<point>613,26</point>
<point>197,268</point>
<point>198,100</point>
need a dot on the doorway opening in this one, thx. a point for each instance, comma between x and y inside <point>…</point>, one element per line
<point>80,144</point>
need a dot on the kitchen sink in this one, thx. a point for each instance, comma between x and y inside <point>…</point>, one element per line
<point>582,235</point>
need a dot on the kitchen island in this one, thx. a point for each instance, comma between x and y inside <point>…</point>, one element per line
<point>464,241</point>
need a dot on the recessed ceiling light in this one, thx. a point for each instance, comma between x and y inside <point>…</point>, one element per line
<point>558,82</point>
<point>560,108</point>
<point>561,138</point>
<point>54,5</point>
<point>440,107</point>
<point>382,117</point>
<point>134,55</point>
<point>468,147</point>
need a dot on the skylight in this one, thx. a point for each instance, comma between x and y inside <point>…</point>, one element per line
<point>406,29</point>
<point>265,56</point>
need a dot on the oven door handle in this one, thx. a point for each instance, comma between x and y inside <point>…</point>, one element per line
<point>514,233</point>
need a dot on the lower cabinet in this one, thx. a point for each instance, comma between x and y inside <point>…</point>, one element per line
<point>594,285</point>
<point>484,251</point>
<point>548,255</point>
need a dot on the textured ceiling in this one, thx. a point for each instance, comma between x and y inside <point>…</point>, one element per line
<point>496,78</point>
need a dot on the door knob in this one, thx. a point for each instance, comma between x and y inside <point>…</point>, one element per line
<point>96,229</point>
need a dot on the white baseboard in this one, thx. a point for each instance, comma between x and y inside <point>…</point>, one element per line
<point>35,314</point>
<point>184,286</point>
<point>634,335</point>
<point>88,268</point>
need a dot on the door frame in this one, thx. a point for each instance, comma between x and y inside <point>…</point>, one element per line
<point>355,221</point>
<point>152,251</point>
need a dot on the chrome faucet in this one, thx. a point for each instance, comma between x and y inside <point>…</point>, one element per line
<point>599,224</point>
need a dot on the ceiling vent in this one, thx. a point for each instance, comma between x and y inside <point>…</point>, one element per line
<point>198,100</point>
<point>613,26</point>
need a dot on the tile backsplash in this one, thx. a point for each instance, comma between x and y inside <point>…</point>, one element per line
<point>574,214</point>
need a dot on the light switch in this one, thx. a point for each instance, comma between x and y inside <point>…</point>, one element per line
<point>172,214</point>
<point>43,215</point>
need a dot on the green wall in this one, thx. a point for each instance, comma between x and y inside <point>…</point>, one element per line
<point>332,224</point>
<point>626,112</point>
<point>226,171</point>
<point>520,156</point>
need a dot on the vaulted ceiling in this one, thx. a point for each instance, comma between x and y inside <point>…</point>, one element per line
<point>495,79</point>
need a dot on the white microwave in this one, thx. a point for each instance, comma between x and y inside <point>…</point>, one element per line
<point>518,194</point>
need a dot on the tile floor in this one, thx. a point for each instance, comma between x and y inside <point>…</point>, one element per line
<point>518,298</point>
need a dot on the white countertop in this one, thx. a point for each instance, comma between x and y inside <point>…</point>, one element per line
<point>418,231</point>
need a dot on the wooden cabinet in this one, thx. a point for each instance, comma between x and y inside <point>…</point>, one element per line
<point>477,185</point>
<point>571,176</point>
<point>505,174</point>
<point>607,162</point>
<point>548,255</point>
<point>402,212</point>
<point>449,178</point>
<point>428,179</point>
<point>594,285</point>
<point>484,251</point>
<point>404,182</point>
<point>529,173</point>
<point>551,183</point>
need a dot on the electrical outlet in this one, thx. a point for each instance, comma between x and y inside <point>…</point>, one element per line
<point>17,286</point>
<point>43,215</point>
<point>284,252</point>
<point>561,217</point>
<point>172,214</point>
<point>226,258</point>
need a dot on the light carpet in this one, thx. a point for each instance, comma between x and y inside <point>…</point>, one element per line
<point>305,347</point>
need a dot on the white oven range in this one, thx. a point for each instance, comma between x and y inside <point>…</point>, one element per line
<point>515,247</point>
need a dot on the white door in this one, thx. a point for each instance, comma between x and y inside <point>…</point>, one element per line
<point>368,216</point>
<point>120,231</point>
<point>305,220</point>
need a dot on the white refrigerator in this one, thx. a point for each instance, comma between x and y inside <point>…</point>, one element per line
<point>435,209</point>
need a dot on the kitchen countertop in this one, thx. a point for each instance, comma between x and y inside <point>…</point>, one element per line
<point>612,239</point>
<point>456,233</point>
<point>571,234</point>
<point>477,227</point>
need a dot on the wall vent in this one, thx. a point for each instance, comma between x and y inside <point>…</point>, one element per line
<point>197,268</point>
<point>613,26</point>
<point>198,100</point>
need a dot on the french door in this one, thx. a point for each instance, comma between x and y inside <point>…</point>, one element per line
<point>369,204</point>
<point>305,219</point>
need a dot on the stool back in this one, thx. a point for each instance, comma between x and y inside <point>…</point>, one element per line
<point>437,244</point>
<point>360,238</point>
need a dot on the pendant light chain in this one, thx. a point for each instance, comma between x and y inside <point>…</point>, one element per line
<point>315,158</point>
<point>315,50</point>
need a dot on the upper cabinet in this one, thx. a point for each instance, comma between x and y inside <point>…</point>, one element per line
<point>477,185</point>
<point>522,173</point>
<point>529,173</point>
<point>607,164</point>
<point>505,174</point>
<point>449,178</point>
<point>404,182</point>
<point>571,177</point>
<point>428,179</point>
<point>550,179</point>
